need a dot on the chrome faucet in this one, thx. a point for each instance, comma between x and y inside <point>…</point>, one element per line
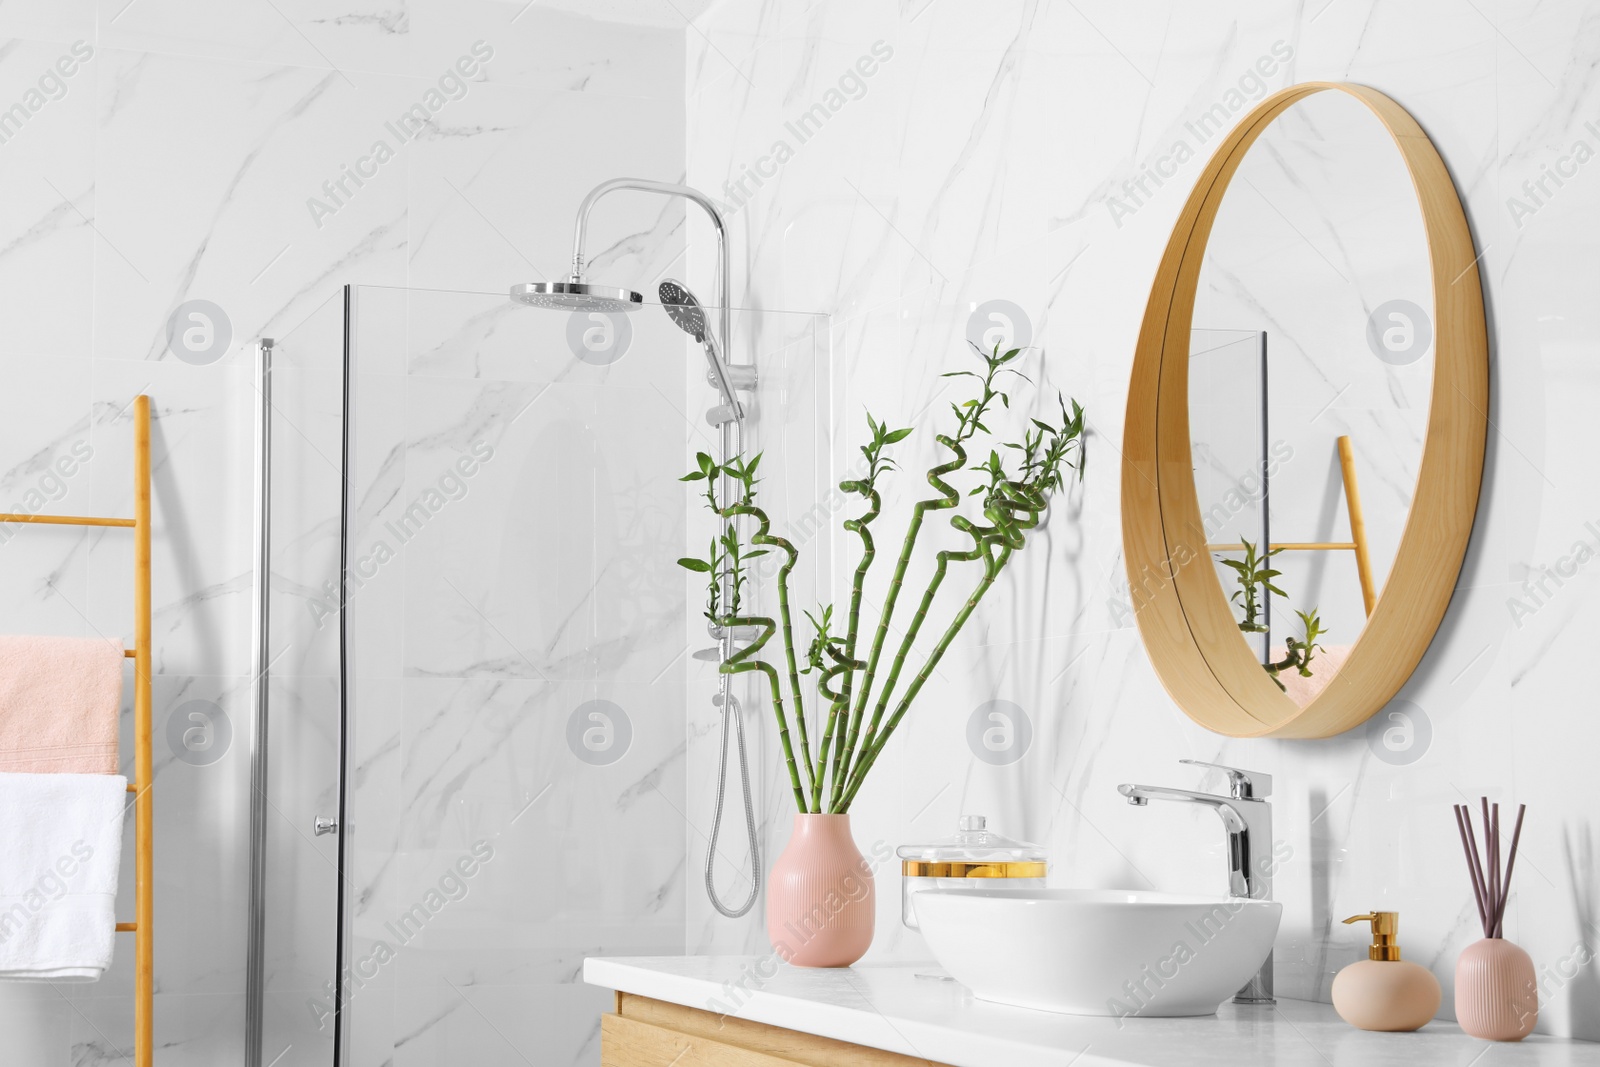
<point>1247,817</point>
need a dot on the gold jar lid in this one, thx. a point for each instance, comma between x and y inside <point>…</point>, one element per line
<point>974,852</point>
<point>958,869</point>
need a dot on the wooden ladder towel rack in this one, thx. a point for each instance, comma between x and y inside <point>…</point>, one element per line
<point>144,909</point>
<point>1358,530</point>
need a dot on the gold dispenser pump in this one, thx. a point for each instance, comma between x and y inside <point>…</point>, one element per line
<point>1385,932</point>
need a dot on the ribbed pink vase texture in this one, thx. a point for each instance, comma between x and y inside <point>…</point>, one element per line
<point>1497,992</point>
<point>819,895</point>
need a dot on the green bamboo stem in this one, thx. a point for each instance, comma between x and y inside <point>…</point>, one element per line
<point>870,754</point>
<point>763,536</point>
<point>1012,506</point>
<point>837,701</point>
<point>823,753</point>
<point>841,665</point>
<point>940,569</point>
<point>742,662</point>
<point>869,552</point>
<point>1008,534</point>
<point>950,498</point>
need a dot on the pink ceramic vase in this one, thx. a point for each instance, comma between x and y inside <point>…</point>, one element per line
<point>1497,993</point>
<point>819,895</point>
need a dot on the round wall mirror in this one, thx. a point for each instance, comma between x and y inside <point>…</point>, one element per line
<point>1306,418</point>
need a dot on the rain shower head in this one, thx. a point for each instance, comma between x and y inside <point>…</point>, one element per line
<point>573,295</point>
<point>684,308</point>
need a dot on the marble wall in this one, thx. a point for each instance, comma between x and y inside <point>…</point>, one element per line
<point>1039,153</point>
<point>169,151</point>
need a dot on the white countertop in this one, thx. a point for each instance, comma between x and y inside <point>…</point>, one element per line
<point>889,1007</point>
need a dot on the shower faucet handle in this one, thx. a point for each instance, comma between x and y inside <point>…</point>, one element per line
<point>1242,784</point>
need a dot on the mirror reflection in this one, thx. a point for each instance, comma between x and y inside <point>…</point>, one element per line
<point>1311,361</point>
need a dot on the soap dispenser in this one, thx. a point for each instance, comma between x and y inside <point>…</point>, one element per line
<point>1384,992</point>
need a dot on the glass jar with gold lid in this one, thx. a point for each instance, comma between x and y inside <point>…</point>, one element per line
<point>959,862</point>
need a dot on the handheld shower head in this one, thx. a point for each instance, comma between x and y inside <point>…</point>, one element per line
<point>575,295</point>
<point>683,308</point>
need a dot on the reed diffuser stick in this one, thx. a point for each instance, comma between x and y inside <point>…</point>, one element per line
<point>1492,839</point>
<point>1472,868</point>
<point>1511,865</point>
<point>1491,882</point>
<point>1477,867</point>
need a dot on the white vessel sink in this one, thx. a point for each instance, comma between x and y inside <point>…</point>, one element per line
<point>1099,951</point>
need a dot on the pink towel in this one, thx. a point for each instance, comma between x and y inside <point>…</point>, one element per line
<point>59,701</point>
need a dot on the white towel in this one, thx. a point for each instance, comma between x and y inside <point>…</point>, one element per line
<point>60,845</point>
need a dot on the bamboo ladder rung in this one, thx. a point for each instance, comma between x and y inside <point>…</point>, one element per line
<point>65,520</point>
<point>1292,546</point>
<point>144,964</point>
<point>1358,529</point>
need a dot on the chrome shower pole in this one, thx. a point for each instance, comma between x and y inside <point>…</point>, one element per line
<point>256,921</point>
<point>724,287</point>
<point>730,714</point>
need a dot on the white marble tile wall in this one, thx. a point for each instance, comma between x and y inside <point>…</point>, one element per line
<point>984,157</point>
<point>980,160</point>
<point>175,162</point>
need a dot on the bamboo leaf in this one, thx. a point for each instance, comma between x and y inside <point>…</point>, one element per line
<point>699,566</point>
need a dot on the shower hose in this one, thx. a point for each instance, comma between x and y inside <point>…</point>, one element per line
<point>731,712</point>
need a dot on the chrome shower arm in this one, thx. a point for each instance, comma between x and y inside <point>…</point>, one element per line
<point>645,185</point>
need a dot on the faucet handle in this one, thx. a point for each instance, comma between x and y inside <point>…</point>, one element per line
<point>1244,785</point>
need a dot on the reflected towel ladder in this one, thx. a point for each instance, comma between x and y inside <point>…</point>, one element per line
<point>144,910</point>
<point>1358,530</point>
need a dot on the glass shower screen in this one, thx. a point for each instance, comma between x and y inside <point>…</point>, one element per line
<point>507,717</point>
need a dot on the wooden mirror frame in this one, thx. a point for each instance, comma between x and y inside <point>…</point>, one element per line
<point>1183,614</point>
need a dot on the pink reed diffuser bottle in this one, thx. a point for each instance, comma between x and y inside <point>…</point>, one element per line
<point>1497,992</point>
